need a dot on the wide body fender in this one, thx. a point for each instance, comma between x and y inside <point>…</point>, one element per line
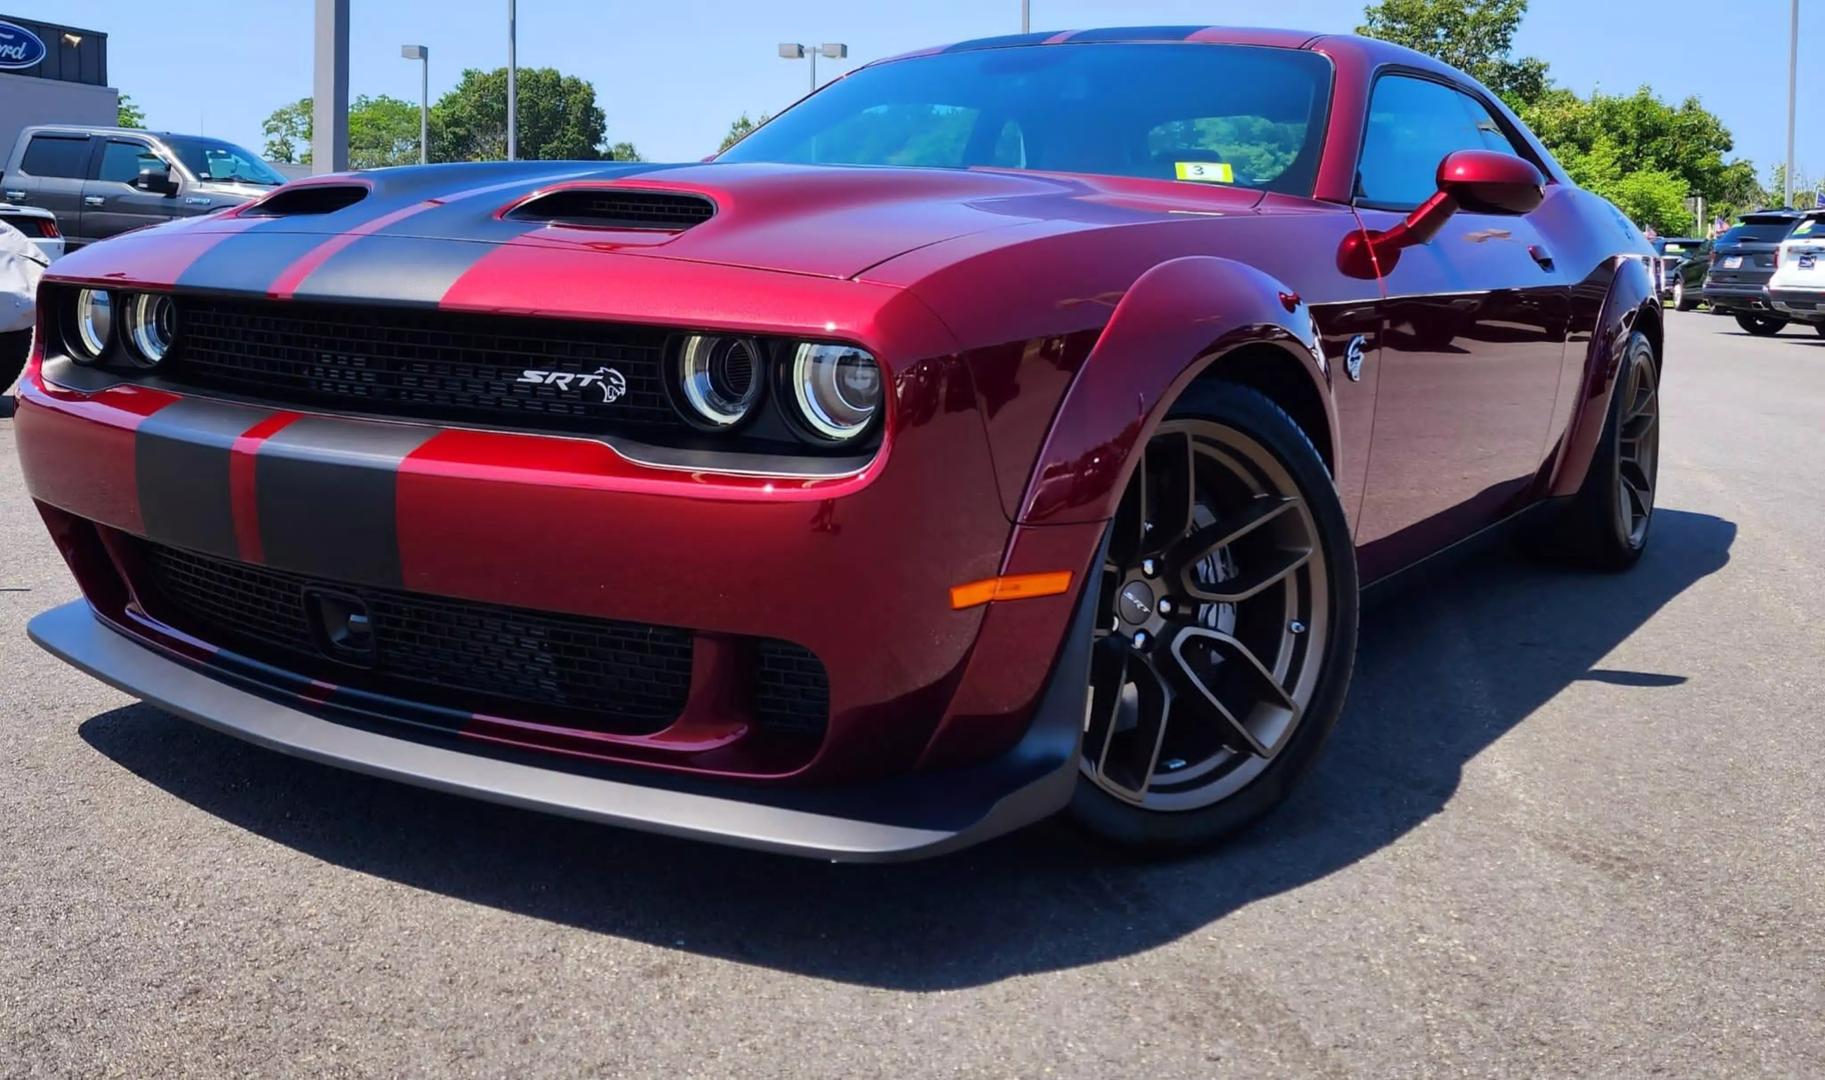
<point>1177,320</point>
<point>1630,303</point>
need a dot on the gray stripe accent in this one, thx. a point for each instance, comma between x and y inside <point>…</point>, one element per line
<point>327,491</point>
<point>181,458</point>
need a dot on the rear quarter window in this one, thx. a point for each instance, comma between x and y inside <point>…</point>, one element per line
<point>49,155</point>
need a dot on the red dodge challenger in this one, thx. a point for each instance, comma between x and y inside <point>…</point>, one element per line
<point>1005,429</point>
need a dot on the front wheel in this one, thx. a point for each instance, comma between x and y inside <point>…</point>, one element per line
<point>1761,325</point>
<point>1226,626</point>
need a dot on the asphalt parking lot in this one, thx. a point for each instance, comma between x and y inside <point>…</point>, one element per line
<point>1570,826</point>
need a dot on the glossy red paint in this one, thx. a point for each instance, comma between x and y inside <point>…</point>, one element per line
<point>1034,329</point>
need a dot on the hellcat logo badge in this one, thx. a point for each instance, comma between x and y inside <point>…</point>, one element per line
<point>611,382</point>
<point>1352,359</point>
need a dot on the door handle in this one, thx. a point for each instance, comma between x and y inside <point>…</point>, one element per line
<point>1541,256</point>
<point>13,194</point>
<point>92,200</point>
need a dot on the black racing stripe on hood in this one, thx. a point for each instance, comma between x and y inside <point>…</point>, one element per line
<point>247,262</point>
<point>397,269</point>
<point>327,491</point>
<point>180,458</point>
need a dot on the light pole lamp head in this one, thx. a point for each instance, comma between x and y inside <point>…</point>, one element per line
<point>834,51</point>
<point>414,52</point>
<point>791,52</point>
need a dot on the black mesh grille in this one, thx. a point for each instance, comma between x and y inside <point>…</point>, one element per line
<point>409,362</point>
<point>791,690</point>
<point>620,676</point>
<point>606,209</point>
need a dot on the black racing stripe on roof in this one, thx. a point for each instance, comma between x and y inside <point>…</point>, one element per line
<point>1002,42</point>
<point>1135,33</point>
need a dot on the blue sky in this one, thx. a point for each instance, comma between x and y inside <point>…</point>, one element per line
<point>671,75</point>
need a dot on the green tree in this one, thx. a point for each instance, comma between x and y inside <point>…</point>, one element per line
<point>288,133</point>
<point>623,151</point>
<point>739,130</point>
<point>127,114</point>
<point>1476,36</point>
<point>558,117</point>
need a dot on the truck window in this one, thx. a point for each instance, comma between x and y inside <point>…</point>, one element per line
<point>122,161</point>
<point>56,155</point>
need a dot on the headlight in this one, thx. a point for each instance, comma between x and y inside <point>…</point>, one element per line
<point>151,318</point>
<point>720,378</point>
<point>94,322</point>
<point>837,388</point>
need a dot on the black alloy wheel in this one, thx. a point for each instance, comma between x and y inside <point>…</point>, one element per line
<point>1606,525</point>
<point>1226,626</point>
<point>1761,325</point>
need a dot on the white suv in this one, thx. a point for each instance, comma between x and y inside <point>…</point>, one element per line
<point>1797,289</point>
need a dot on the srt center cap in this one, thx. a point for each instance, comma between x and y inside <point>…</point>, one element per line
<point>1135,602</point>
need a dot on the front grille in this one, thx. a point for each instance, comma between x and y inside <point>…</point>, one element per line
<point>419,363</point>
<point>620,676</point>
<point>791,689</point>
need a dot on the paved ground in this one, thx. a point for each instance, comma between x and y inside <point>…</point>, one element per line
<point>1570,826</point>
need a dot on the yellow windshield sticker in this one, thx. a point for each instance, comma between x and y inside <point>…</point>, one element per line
<point>1210,172</point>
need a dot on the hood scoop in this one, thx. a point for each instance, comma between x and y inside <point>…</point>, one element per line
<point>616,208</point>
<point>308,199</point>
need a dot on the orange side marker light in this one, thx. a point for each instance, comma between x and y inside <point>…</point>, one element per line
<point>1011,587</point>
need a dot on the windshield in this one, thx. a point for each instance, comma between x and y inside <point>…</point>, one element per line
<point>1219,114</point>
<point>223,162</point>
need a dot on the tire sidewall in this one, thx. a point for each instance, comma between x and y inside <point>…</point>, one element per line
<point>1247,410</point>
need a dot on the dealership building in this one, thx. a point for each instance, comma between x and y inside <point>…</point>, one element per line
<point>51,74</point>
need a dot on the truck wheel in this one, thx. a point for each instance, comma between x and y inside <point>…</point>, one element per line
<point>1761,325</point>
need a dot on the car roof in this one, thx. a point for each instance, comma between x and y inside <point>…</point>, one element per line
<point>1373,50</point>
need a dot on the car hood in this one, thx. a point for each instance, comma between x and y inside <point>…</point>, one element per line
<point>820,220</point>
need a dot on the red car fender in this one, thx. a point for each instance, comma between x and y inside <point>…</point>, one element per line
<point>1631,303</point>
<point>1174,322</point>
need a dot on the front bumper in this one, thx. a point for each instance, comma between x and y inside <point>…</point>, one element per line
<point>904,818</point>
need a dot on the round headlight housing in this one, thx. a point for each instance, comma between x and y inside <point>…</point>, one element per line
<point>151,325</point>
<point>837,389</point>
<point>94,323</point>
<point>720,378</point>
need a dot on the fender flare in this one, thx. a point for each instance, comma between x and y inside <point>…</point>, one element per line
<point>1631,299</point>
<point>1175,321</point>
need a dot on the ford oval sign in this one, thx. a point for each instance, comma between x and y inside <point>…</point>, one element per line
<point>19,47</point>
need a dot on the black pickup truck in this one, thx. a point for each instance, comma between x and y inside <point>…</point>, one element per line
<point>104,181</point>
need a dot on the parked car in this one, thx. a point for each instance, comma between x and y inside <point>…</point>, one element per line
<point>101,182</point>
<point>1669,253</point>
<point>38,225</point>
<point>1689,276</point>
<point>1004,429</point>
<point>22,263</point>
<point>1742,261</point>
<point>1797,289</point>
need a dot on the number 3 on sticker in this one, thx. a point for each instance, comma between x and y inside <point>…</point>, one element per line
<point>1211,172</point>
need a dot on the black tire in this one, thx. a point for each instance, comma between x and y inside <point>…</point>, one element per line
<point>1761,325</point>
<point>1591,532</point>
<point>1257,418</point>
<point>1819,328</point>
<point>15,346</point>
<point>1683,300</point>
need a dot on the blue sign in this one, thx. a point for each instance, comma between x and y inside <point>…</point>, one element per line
<point>19,47</point>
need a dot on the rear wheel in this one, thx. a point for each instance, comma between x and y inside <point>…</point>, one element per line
<point>1761,325</point>
<point>1680,301</point>
<point>1226,626</point>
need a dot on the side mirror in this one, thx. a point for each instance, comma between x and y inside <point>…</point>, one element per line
<point>1482,181</point>
<point>157,180</point>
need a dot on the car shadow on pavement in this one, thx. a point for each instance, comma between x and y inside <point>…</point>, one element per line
<point>1442,674</point>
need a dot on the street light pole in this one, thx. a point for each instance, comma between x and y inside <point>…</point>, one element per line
<point>513,85</point>
<point>422,54</point>
<point>791,50</point>
<point>1793,75</point>
<point>1026,16</point>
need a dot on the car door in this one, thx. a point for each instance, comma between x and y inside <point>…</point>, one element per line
<point>1475,324</point>
<point>51,174</point>
<point>111,205</point>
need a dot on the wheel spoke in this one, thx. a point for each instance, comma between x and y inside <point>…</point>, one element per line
<point>1108,676</point>
<point>1266,569</point>
<point>1232,527</point>
<point>1267,714</point>
<point>1637,427</point>
<point>1635,475</point>
<point>1125,754</point>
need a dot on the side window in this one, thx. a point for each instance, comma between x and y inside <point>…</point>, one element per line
<point>122,161</point>
<point>53,155</point>
<point>1413,124</point>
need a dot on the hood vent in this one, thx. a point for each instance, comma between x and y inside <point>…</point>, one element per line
<point>308,199</point>
<point>610,208</point>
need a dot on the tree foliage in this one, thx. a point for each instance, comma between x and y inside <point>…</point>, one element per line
<point>558,118</point>
<point>383,131</point>
<point>1475,36</point>
<point>740,128</point>
<point>127,114</point>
